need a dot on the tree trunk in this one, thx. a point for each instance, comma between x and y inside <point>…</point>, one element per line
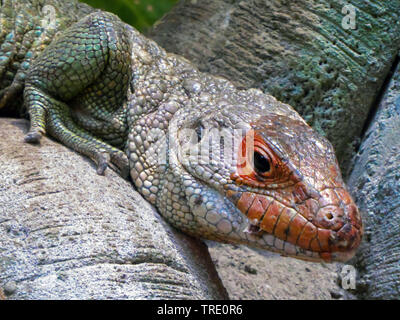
<point>375,181</point>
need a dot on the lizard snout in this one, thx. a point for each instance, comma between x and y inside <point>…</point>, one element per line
<point>346,240</point>
<point>339,223</point>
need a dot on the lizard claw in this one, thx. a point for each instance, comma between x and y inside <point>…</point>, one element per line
<point>118,161</point>
<point>121,162</point>
<point>33,137</point>
<point>102,160</point>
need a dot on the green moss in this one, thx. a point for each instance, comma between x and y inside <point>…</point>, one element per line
<point>139,13</point>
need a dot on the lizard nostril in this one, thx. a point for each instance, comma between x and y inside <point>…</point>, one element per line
<point>329,217</point>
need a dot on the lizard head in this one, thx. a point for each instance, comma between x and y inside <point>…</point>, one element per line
<point>255,173</point>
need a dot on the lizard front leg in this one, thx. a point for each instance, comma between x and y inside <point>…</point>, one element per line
<point>63,78</point>
<point>48,114</point>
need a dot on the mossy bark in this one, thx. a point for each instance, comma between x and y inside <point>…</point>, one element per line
<point>375,182</point>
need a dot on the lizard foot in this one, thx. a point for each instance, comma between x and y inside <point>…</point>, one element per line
<point>52,116</point>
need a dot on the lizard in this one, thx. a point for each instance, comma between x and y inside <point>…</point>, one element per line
<point>218,162</point>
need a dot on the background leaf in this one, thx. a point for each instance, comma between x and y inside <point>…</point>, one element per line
<point>139,13</point>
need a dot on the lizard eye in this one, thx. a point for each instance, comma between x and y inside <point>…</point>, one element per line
<point>261,163</point>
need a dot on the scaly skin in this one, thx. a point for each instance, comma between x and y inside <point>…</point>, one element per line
<point>220,163</point>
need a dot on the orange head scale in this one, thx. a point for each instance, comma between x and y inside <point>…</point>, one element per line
<point>301,199</point>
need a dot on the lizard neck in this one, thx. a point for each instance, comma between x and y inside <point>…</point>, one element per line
<point>165,83</point>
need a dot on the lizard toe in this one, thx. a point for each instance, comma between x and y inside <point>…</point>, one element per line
<point>33,137</point>
<point>121,162</point>
<point>102,160</point>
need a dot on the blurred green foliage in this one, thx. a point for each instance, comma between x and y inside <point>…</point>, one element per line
<point>139,13</point>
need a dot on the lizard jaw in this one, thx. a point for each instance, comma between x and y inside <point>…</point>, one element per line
<point>212,208</point>
<point>296,232</point>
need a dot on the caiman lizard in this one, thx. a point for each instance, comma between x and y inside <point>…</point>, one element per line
<point>218,162</point>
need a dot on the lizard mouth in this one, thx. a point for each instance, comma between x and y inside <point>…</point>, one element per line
<point>289,232</point>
